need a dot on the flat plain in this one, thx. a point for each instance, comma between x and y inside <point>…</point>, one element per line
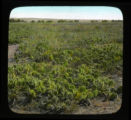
<point>59,66</point>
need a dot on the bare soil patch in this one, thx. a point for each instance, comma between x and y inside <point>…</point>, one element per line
<point>100,107</point>
<point>11,52</point>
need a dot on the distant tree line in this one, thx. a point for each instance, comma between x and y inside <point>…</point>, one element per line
<point>116,20</point>
<point>104,21</point>
<point>16,20</point>
<point>62,21</point>
<point>93,21</point>
<point>43,21</point>
<point>59,21</point>
<point>112,21</point>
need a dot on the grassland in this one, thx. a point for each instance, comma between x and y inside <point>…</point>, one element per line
<point>61,65</point>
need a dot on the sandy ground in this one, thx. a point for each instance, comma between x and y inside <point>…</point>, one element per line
<point>11,52</point>
<point>97,107</point>
<point>100,107</point>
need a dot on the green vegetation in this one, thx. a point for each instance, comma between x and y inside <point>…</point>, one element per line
<point>61,21</point>
<point>32,21</point>
<point>94,21</point>
<point>16,20</point>
<point>76,21</point>
<point>104,21</point>
<point>60,66</point>
<point>67,21</point>
<point>49,21</point>
<point>42,21</point>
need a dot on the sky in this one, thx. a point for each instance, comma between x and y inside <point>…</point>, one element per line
<point>68,12</point>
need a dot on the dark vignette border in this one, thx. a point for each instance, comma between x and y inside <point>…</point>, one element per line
<point>8,5</point>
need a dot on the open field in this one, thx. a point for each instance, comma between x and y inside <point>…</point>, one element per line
<point>59,67</point>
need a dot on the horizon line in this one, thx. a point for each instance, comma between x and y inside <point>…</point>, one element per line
<point>58,18</point>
